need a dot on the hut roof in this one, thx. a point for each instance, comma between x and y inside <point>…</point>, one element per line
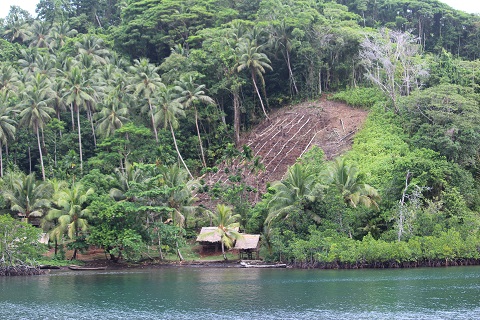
<point>208,234</point>
<point>247,241</point>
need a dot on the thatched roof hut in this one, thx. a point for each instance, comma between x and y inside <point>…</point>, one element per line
<point>247,242</point>
<point>248,245</point>
<point>209,234</point>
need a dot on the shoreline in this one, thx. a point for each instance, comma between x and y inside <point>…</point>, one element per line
<point>438,263</point>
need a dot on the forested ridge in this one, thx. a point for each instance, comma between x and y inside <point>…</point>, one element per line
<point>114,114</point>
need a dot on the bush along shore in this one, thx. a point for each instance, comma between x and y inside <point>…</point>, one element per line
<point>319,251</point>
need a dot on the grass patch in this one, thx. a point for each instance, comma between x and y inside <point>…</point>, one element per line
<point>359,97</point>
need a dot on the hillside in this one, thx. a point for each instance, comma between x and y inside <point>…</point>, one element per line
<point>289,133</point>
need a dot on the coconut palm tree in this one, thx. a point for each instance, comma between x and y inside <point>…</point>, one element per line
<point>38,33</point>
<point>70,213</point>
<point>26,196</point>
<point>227,226</point>
<point>124,178</point>
<point>77,93</point>
<point>145,82</point>
<point>281,39</point>
<point>7,125</point>
<point>178,197</point>
<point>9,81</point>
<point>58,35</point>
<point>167,112</point>
<point>113,115</point>
<point>35,108</point>
<point>94,47</point>
<point>291,193</point>
<point>349,183</point>
<point>188,94</point>
<point>251,59</point>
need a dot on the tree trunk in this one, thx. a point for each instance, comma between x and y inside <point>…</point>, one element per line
<point>79,139</point>
<point>41,155</point>
<point>90,116</point>
<point>178,151</point>
<point>199,138</point>
<point>236,116</point>
<point>73,118</point>
<point>1,160</point>
<point>259,96</point>
<point>153,120</point>
<point>223,251</point>
<point>29,160</point>
<point>292,79</point>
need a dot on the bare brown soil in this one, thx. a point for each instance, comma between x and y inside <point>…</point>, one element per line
<point>289,133</point>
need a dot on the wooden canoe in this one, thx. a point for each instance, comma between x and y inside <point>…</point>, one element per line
<point>75,267</point>
<point>278,265</point>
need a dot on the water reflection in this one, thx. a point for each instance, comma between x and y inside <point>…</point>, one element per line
<point>191,293</point>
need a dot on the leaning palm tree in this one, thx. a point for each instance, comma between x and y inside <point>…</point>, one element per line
<point>35,108</point>
<point>349,183</point>
<point>7,125</point>
<point>188,94</point>
<point>70,213</point>
<point>227,226</point>
<point>250,58</point>
<point>26,196</point>
<point>291,193</point>
<point>145,82</point>
<point>167,111</point>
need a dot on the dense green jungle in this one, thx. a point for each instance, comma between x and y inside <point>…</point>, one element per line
<point>113,113</point>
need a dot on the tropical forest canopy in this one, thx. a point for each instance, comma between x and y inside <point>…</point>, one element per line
<point>112,113</point>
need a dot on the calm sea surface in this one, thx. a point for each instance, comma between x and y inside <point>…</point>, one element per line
<point>200,293</point>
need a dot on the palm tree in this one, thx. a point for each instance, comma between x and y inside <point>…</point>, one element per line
<point>145,83</point>
<point>113,115</point>
<point>298,187</point>
<point>227,226</point>
<point>70,212</point>
<point>189,93</point>
<point>26,196</point>
<point>95,47</point>
<point>38,33</point>
<point>8,78</point>
<point>178,197</point>
<point>77,93</point>
<point>282,40</point>
<point>35,108</point>
<point>124,177</point>
<point>28,60</point>
<point>250,58</point>
<point>7,125</point>
<point>58,35</point>
<point>167,111</point>
<point>349,183</point>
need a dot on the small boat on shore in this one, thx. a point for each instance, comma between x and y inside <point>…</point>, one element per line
<point>248,265</point>
<point>80,268</point>
<point>48,266</point>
